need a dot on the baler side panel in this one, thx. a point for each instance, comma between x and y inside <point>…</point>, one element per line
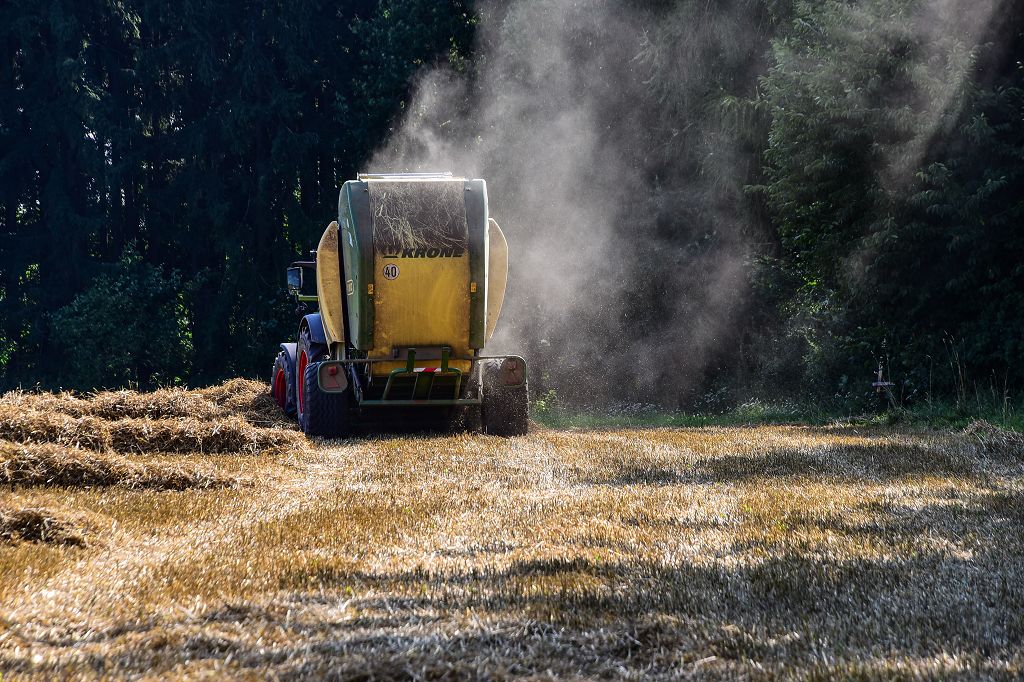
<point>357,250</point>
<point>329,285</point>
<point>497,274</point>
<point>476,219</point>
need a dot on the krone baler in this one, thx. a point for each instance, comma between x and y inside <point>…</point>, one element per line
<point>396,310</point>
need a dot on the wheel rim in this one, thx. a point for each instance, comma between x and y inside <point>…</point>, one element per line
<point>301,380</point>
<point>280,388</point>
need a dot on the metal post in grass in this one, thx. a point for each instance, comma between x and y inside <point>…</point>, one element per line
<point>883,388</point>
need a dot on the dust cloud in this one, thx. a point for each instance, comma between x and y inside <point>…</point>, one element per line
<point>622,277</point>
<point>608,136</point>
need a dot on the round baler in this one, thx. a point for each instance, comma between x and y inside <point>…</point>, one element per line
<point>409,283</point>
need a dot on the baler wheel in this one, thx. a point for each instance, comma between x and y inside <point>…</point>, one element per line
<point>506,409</point>
<point>323,414</point>
<point>320,414</point>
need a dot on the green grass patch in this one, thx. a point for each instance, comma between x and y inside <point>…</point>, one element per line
<point>548,411</point>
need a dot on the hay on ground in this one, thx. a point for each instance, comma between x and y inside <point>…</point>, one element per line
<point>240,397</point>
<point>184,435</point>
<point>221,436</point>
<point>248,399</point>
<point>64,402</point>
<point>167,403</point>
<point>47,464</point>
<point>47,426</point>
<point>995,440</point>
<point>40,525</point>
<point>238,416</point>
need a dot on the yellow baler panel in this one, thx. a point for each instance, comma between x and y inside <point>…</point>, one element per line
<point>328,285</point>
<point>497,274</point>
<point>426,303</point>
<point>421,266</point>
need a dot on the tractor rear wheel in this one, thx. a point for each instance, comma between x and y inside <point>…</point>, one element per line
<point>282,384</point>
<point>306,351</point>
<point>506,408</point>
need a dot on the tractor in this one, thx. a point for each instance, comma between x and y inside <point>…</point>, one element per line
<point>396,305</point>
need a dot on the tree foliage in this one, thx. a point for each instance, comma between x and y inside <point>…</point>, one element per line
<point>893,174</point>
<point>210,136</point>
<point>129,327</point>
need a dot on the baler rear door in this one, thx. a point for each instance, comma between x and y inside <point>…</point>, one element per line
<point>421,268</point>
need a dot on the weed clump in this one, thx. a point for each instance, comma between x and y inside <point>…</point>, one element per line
<point>994,440</point>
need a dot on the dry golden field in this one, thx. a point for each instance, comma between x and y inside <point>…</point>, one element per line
<point>197,535</point>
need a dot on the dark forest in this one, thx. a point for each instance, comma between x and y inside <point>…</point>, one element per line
<point>162,163</point>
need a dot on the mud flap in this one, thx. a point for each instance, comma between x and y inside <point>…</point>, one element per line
<point>332,378</point>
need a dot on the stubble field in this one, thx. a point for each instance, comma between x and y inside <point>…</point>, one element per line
<point>198,535</point>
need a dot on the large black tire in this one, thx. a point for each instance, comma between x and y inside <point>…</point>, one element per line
<point>320,414</point>
<point>506,409</point>
<point>323,414</point>
<point>282,384</point>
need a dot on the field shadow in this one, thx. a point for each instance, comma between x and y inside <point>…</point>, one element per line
<point>960,598</point>
<point>875,461</point>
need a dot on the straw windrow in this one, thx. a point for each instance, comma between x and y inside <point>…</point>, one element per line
<point>238,417</point>
<point>48,464</point>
